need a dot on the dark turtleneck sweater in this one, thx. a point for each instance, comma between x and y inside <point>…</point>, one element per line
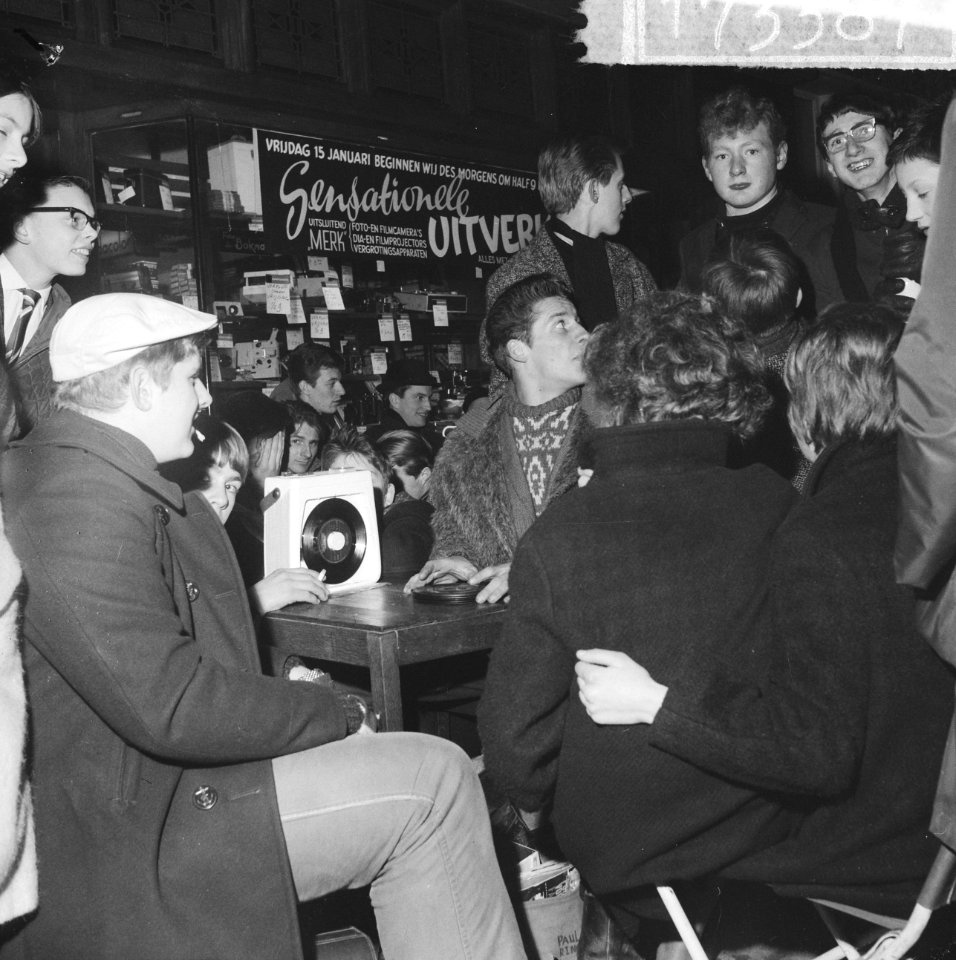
<point>585,259</point>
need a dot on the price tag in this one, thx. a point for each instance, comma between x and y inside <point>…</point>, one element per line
<point>294,338</point>
<point>348,280</point>
<point>379,363</point>
<point>455,354</point>
<point>297,313</point>
<point>386,329</point>
<point>405,328</point>
<point>333,298</point>
<point>380,266</point>
<point>479,273</point>
<point>440,314</point>
<point>278,298</point>
<point>318,264</point>
<point>319,325</point>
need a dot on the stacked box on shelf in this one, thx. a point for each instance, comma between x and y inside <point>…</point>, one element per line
<point>182,283</point>
<point>225,201</point>
<point>126,281</point>
<point>147,269</point>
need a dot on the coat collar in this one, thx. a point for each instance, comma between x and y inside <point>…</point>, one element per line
<point>842,457</point>
<point>673,445</point>
<point>120,449</point>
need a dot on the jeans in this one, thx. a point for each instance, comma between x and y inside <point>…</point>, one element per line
<point>405,814</point>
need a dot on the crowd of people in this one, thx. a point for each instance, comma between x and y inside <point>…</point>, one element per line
<point>723,658</point>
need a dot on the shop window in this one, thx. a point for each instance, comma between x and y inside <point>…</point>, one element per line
<point>500,62</point>
<point>405,50</point>
<point>300,35</point>
<point>183,24</point>
<point>51,11</point>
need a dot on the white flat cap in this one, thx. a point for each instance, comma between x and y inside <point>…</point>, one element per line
<point>100,332</point>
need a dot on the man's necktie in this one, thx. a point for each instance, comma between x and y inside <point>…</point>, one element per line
<point>15,341</point>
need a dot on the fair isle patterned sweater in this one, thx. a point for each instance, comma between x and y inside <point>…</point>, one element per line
<point>481,485</point>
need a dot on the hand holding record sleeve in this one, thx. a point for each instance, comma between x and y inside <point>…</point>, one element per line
<point>442,570</point>
<point>447,570</point>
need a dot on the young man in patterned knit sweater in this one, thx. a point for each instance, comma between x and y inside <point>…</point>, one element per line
<point>508,460</point>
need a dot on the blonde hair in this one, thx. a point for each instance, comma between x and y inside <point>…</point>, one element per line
<point>840,375</point>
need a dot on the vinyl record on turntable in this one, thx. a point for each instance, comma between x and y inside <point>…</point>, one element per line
<point>323,521</point>
<point>334,540</point>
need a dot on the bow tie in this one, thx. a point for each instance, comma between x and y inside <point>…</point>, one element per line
<point>869,215</point>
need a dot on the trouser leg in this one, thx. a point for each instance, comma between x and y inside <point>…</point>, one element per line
<point>405,814</point>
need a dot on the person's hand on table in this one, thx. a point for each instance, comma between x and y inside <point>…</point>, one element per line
<point>282,587</point>
<point>442,570</point>
<point>616,690</point>
<point>497,583</point>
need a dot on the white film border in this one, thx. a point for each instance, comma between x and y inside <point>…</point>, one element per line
<point>851,33</point>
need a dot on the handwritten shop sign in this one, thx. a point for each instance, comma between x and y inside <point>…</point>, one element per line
<point>323,197</point>
<point>799,33</point>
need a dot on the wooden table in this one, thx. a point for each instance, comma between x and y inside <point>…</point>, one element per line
<point>383,629</point>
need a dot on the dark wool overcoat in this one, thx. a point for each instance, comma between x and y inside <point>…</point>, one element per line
<point>157,825</point>
<point>853,722</point>
<point>662,556</point>
<point>926,539</point>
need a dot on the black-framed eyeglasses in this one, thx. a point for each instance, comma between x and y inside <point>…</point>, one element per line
<point>858,133</point>
<point>78,218</point>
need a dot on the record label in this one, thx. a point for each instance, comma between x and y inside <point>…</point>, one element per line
<point>334,539</point>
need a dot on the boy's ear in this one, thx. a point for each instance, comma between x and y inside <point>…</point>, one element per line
<point>389,494</point>
<point>783,149</point>
<point>518,351</point>
<point>142,388</point>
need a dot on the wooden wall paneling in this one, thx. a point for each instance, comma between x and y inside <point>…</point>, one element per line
<point>544,77</point>
<point>236,36</point>
<point>454,38</point>
<point>353,20</point>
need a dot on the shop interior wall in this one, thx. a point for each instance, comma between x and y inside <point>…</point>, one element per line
<point>650,110</point>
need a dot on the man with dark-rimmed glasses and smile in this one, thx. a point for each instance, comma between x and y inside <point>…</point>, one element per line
<point>48,229</point>
<point>872,244</point>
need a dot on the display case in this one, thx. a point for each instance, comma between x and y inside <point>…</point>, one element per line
<point>183,218</point>
<point>144,198</point>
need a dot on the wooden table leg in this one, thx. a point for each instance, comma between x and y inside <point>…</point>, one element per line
<point>386,680</point>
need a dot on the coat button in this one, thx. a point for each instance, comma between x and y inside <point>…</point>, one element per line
<point>162,513</point>
<point>192,591</point>
<point>205,798</point>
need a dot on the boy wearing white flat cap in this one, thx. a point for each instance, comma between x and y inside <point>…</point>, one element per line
<point>165,826</point>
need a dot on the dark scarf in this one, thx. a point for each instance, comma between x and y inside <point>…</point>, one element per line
<point>863,215</point>
<point>585,259</point>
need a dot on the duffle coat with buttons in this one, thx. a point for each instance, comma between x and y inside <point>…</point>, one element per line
<point>152,726</point>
